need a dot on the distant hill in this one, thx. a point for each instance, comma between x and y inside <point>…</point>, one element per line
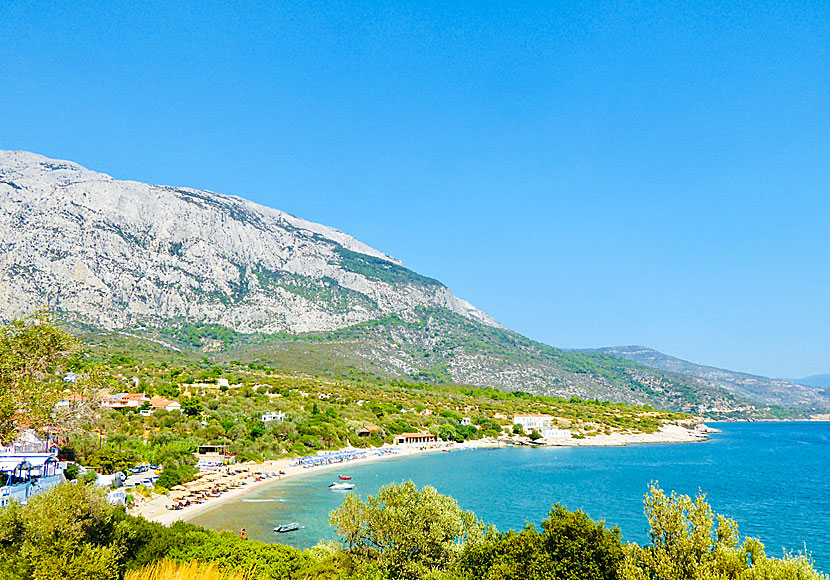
<point>755,388</point>
<point>822,381</point>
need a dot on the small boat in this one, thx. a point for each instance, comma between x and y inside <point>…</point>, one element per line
<point>341,486</point>
<point>344,477</point>
<point>287,528</point>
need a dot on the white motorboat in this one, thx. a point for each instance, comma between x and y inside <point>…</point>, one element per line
<point>341,485</point>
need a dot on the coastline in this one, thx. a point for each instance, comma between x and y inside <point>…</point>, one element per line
<point>155,509</point>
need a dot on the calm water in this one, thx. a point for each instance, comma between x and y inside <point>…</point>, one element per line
<point>772,478</point>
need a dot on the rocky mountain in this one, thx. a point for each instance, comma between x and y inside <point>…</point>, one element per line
<point>119,253</point>
<point>201,274</point>
<point>750,387</point>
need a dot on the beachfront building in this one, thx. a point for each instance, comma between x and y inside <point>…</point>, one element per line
<point>25,475</point>
<point>213,455</point>
<point>554,433</point>
<point>544,424</point>
<point>533,421</point>
<point>415,438</point>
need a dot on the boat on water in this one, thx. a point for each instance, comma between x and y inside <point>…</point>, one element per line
<point>344,477</point>
<point>287,528</point>
<point>341,485</point>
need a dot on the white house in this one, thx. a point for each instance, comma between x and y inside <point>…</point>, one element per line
<point>278,416</point>
<point>533,421</point>
<point>466,421</point>
<point>222,383</point>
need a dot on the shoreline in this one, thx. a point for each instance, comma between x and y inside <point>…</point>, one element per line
<point>155,510</point>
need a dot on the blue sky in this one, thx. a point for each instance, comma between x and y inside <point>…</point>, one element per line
<point>590,174</point>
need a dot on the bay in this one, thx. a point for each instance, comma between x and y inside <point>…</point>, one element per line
<point>773,479</point>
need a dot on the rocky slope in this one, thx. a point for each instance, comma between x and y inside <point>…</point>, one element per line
<point>750,387</point>
<point>119,253</point>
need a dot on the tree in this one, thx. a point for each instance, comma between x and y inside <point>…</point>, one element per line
<point>68,532</point>
<point>32,351</point>
<point>191,406</point>
<point>535,435</point>
<point>581,548</point>
<point>687,545</point>
<point>518,429</point>
<point>570,547</point>
<point>406,530</point>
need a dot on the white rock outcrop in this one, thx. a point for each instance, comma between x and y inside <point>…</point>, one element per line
<point>118,253</point>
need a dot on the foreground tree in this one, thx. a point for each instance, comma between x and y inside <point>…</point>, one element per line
<point>686,544</point>
<point>408,532</point>
<point>571,546</point>
<point>32,350</point>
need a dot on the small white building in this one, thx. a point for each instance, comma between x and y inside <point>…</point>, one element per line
<point>269,417</point>
<point>466,421</point>
<point>553,433</point>
<point>533,421</point>
<point>222,383</point>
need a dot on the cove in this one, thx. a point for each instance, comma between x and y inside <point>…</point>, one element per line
<point>773,479</point>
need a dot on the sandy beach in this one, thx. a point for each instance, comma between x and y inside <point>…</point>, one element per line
<point>156,509</point>
<point>268,472</point>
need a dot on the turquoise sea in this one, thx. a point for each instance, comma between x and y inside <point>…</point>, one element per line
<point>773,479</point>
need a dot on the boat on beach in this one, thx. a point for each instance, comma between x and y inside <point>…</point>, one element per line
<point>287,528</point>
<point>344,477</point>
<point>341,485</point>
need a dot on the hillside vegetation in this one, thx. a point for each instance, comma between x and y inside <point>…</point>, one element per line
<point>436,346</point>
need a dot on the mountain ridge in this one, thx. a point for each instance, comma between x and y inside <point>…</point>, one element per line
<point>746,385</point>
<point>117,253</point>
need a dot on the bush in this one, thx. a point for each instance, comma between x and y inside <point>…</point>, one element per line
<point>686,545</point>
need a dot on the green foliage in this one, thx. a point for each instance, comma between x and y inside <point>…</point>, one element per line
<point>690,542</point>
<point>380,269</point>
<point>71,471</point>
<point>173,476</point>
<point>66,533</point>
<point>32,351</point>
<point>535,435</point>
<point>191,406</point>
<point>406,531</point>
<point>570,547</point>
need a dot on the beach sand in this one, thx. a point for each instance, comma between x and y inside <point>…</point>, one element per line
<point>156,510</point>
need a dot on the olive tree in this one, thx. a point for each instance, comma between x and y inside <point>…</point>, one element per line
<point>31,353</point>
<point>690,542</point>
<point>407,531</point>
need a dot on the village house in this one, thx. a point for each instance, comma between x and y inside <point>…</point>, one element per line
<point>368,430</point>
<point>166,404</point>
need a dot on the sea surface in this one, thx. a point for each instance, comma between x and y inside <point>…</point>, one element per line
<point>773,479</point>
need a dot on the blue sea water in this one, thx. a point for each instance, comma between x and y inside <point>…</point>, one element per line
<point>773,479</point>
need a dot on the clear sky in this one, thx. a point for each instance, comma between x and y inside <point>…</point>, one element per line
<point>590,174</point>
